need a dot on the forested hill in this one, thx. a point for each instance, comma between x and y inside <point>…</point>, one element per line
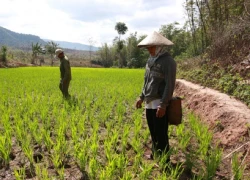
<point>24,41</point>
<point>18,40</point>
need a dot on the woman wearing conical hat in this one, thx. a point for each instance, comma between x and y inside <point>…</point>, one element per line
<point>158,88</point>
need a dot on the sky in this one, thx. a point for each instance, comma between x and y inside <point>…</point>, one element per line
<point>88,21</point>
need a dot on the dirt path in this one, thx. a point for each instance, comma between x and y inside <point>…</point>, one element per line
<point>228,118</point>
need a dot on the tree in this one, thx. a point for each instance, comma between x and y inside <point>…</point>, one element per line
<point>121,28</point>
<point>130,55</point>
<point>218,27</point>
<point>36,49</point>
<point>51,47</point>
<point>192,21</point>
<point>105,55</point>
<point>136,57</point>
<point>3,55</point>
<point>179,37</point>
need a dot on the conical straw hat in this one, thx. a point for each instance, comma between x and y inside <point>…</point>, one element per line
<point>155,39</point>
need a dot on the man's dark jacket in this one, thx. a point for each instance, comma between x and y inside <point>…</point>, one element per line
<point>65,69</point>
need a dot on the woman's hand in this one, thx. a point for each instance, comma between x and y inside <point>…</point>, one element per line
<point>139,103</point>
<point>160,112</point>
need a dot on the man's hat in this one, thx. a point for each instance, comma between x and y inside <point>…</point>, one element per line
<point>58,51</point>
<point>155,39</point>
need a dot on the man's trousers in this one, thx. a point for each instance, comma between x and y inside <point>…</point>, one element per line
<point>64,87</point>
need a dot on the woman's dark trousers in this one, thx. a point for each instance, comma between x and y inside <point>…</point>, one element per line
<point>158,128</point>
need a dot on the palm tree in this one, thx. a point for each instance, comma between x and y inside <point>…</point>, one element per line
<point>121,28</point>
<point>36,49</point>
<point>51,46</point>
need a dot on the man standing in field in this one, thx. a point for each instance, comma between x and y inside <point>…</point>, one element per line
<point>159,84</point>
<point>65,73</point>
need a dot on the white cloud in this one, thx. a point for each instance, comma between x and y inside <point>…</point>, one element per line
<point>79,20</point>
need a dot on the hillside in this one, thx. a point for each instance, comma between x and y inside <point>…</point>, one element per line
<point>24,41</point>
<point>18,40</point>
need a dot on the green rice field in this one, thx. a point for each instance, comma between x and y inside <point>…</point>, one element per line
<point>96,134</point>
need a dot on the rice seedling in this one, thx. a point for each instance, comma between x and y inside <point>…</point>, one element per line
<point>176,171</point>
<point>124,139</point>
<point>47,139</point>
<point>60,172</point>
<point>137,161</point>
<point>108,149</point>
<point>127,176</point>
<point>5,148</point>
<point>237,168</point>
<point>146,171</point>
<point>19,174</point>
<point>93,168</point>
<point>212,162</point>
<point>81,154</point>
<point>42,172</point>
<point>121,163</point>
<point>183,136</point>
